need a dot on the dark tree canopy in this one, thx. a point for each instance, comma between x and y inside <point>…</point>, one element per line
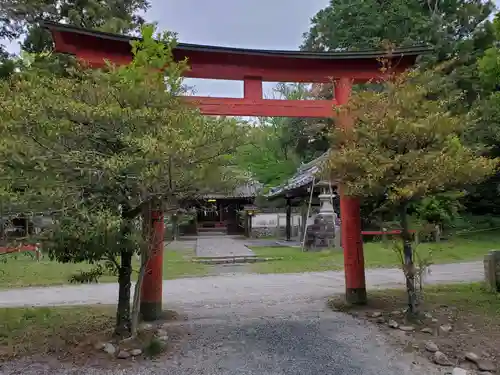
<point>19,18</point>
<point>366,24</point>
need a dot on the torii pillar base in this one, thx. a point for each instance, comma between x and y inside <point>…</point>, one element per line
<point>152,283</point>
<point>352,243</point>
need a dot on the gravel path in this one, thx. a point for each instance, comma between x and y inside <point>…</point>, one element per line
<point>238,287</point>
<point>293,337</point>
<point>253,325</point>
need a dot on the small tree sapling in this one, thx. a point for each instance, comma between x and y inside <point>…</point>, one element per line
<point>405,143</point>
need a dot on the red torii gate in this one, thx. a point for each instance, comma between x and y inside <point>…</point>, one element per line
<point>253,67</point>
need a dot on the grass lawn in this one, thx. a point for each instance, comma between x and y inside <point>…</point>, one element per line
<point>54,330</point>
<point>376,254</point>
<point>22,270</point>
<point>463,298</point>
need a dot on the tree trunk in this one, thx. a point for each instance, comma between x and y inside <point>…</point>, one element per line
<point>175,226</point>
<point>147,233</point>
<point>409,267</point>
<point>137,296</point>
<point>123,323</point>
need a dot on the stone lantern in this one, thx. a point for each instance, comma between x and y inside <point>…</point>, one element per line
<point>249,212</point>
<point>323,232</point>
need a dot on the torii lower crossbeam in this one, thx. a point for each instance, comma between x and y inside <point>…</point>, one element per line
<point>263,107</point>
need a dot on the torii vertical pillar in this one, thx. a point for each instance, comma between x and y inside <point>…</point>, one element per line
<point>352,242</point>
<point>152,282</point>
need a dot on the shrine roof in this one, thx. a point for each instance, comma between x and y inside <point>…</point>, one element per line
<point>187,47</point>
<point>250,189</point>
<point>304,176</point>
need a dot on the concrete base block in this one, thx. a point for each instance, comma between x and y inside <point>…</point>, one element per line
<point>492,270</point>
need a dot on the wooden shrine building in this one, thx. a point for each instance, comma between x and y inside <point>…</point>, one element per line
<point>302,189</point>
<point>220,212</point>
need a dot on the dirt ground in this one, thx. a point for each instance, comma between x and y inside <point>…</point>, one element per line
<point>78,334</point>
<point>459,319</point>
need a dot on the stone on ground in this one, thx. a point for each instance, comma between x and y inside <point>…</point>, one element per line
<point>161,332</point>
<point>473,357</point>
<point>135,352</point>
<point>109,348</point>
<point>459,371</point>
<point>445,328</point>
<point>393,324</point>
<point>145,327</point>
<point>441,359</point>
<point>123,354</point>
<point>431,347</point>
<point>485,365</point>
<point>407,328</point>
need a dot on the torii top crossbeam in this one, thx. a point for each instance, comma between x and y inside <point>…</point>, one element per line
<point>248,65</point>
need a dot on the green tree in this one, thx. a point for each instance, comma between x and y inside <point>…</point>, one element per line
<point>98,148</point>
<point>347,25</point>
<point>458,30</point>
<point>305,136</point>
<point>9,30</point>
<point>263,154</point>
<point>21,18</point>
<point>440,209</point>
<point>407,146</point>
<point>276,147</point>
<point>7,64</point>
<point>484,134</point>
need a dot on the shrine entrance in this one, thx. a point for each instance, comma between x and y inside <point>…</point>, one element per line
<point>253,67</point>
<point>220,215</point>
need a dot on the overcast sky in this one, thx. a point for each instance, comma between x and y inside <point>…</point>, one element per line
<point>265,24</point>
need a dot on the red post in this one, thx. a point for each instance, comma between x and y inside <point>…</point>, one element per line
<point>151,290</point>
<point>252,88</point>
<point>352,241</point>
